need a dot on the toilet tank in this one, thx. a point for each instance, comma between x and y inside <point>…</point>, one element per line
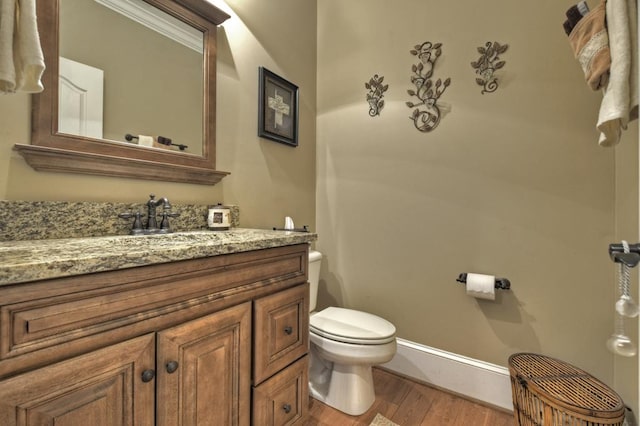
<point>315,259</point>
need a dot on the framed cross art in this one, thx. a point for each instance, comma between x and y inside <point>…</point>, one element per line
<point>278,109</point>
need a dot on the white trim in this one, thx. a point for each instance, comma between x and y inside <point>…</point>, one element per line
<point>158,21</point>
<point>465,376</point>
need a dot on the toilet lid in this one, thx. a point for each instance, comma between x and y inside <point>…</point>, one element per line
<point>350,326</point>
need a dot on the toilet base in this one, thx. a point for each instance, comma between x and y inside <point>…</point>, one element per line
<point>348,389</point>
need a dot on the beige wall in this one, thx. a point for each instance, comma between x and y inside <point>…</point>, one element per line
<point>268,180</point>
<point>626,175</point>
<point>511,183</point>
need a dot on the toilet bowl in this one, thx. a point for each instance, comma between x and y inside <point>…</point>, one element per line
<point>344,345</point>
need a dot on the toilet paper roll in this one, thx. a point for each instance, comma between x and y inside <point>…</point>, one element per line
<point>144,140</point>
<point>288,223</point>
<point>481,286</point>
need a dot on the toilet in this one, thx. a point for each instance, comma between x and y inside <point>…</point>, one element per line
<point>345,344</point>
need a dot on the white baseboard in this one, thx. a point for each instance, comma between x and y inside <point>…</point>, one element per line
<point>465,376</point>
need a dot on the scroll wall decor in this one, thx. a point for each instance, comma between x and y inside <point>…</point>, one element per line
<point>375,94</point>
<point>426,115</point>
<point>487,64</point>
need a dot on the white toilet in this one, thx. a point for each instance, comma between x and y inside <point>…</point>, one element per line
<point>345,344</point>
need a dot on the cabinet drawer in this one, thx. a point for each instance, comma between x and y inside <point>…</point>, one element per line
<point>281,330</point>
<point>284,398</point>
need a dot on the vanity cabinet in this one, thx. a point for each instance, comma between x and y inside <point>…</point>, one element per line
<point>213,341</point>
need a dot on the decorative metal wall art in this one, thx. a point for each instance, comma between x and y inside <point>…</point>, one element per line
<point>375,95</point>
<point>487,64</point>
<point>426,91</point>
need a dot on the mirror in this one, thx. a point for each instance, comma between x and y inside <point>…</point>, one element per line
<point>151,63</point>
<point>59,144</point>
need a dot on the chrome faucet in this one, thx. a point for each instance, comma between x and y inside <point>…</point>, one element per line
<point>152,221</point>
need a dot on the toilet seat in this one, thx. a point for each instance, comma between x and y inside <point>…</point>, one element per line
<point>351,326</point>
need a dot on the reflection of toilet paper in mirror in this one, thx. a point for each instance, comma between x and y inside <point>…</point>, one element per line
<point>145,140</point>
<point>288,223</point>
<point>481,286</point>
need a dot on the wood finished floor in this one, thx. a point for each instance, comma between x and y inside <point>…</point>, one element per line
<point>409,403</point>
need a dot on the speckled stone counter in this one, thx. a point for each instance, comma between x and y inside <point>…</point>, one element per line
<point>23,261</point>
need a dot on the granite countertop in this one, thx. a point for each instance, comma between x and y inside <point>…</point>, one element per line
<point>23,261</point>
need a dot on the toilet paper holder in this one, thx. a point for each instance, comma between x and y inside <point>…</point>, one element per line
<point>501,283</point>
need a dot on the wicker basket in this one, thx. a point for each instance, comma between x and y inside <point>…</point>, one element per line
<point>549,392</point>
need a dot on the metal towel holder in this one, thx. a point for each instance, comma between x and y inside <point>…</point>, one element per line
<point>631,259</point>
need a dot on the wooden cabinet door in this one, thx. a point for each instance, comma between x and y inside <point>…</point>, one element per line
<point>102,388</point>
<point>204,370</point>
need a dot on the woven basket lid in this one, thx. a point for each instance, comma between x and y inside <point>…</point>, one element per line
<point>566,385</point>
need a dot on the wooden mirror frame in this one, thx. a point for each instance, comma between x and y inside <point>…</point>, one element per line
<point>58,152</point>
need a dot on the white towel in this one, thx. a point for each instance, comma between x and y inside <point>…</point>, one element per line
<point>7,69</point>
<point>620,99</point>
<point>21,58</point>
<point>28,52</point>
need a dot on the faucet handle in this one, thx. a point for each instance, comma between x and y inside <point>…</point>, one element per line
<point>165,228</point>
<point>136,228</point>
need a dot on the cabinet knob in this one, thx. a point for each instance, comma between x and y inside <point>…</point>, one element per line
<point>288,329</point>
<point>148,375</point>
<point>286,408</point>
<point>172,366</point>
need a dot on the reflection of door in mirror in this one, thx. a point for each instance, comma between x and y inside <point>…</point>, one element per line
<point>153,84</point>
<point>80,99</point>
